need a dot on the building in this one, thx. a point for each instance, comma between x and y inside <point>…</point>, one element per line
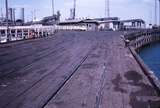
<point>132,24</point>
<point>89,25</point>
<point>107,24</point>
<point>97,24</point>
<point>107,19</point>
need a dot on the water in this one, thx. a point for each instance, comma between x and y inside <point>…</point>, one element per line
<point>151,56</point>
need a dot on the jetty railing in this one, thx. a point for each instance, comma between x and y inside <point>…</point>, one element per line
<point>143,37</point>
<point>71,28</point>
<point>15,33</point>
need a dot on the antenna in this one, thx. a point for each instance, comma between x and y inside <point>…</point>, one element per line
<point>53,7</point>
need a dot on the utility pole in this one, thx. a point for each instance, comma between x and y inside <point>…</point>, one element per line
<point>7,33</point>
<point>107,8</point>
<point>159,12</point>
<point>155,12</point>
<point>34,13</point>
<point>53,7</point>
<point>1,13</point>
<point>74,9</point>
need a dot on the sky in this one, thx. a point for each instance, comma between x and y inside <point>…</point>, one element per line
<point>124,9</point>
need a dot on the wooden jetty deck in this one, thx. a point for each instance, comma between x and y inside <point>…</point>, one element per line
<point>73,70</point>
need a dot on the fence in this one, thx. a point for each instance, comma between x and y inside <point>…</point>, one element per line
<point>25,32</point>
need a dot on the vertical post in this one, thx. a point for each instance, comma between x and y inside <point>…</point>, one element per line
<point>38,32</point>
<point>42,32</point>
<point>159,12</point>
<point>53,7</point>
<point>10,32</point>
<point>74,10</point>
<point>16,34</point>
<point>107,8</point>
<point>155,12</point>
<point>6,35</point>
<point>6,5</point>
<point>23,34</point>
<point>14,19</point>
<point>1,13</point>
<point>28,34</point>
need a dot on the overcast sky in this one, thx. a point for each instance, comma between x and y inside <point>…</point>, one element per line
<point>125,9</point>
